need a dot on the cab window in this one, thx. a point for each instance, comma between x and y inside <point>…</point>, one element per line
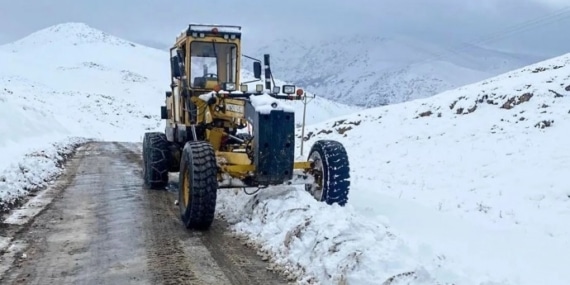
<point>212,63</point>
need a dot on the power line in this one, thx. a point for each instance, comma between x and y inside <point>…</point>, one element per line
<point>529,26</point>
<point>555,16</point>
<point>555,13</point>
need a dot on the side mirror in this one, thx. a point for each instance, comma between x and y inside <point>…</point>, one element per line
<point>175,66</point>
<point>257,70</point>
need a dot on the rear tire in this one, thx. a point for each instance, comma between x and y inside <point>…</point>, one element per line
<point>198,185</point>
<point>156,160</point>
<point>333,179</point>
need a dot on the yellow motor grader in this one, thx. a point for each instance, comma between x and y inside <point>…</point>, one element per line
<point>220,134</point>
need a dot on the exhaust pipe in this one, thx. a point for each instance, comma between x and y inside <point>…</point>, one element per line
<point>267,72</point>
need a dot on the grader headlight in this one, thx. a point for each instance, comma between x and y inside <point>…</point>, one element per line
<point>288,89</point>
<point>229,86</point>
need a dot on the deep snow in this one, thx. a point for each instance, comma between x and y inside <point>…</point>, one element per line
<point>466,187</point>
<point>462,188</point>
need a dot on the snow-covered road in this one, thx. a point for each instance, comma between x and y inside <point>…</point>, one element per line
<point>103,227</point>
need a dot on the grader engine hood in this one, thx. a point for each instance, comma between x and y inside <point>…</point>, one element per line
<point>274,136</point>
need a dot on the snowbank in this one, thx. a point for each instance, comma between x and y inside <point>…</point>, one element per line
<point>321,244</point>
<point>34,170</point>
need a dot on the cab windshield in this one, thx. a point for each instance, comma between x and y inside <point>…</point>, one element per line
<point>212,63</point>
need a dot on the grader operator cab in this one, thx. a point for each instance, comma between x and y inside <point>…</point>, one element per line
<point>220,136</point>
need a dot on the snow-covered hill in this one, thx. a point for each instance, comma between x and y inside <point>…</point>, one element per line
<point>465,187</point>
<point>95,84</point>
<point>372,70</point>
<point>71,80</point>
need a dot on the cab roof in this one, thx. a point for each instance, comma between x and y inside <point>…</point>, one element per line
<point>209,30</point>
<point>213,30</point>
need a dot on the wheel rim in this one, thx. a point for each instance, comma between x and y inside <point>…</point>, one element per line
<point>186,189</point>
<point>316,189</point>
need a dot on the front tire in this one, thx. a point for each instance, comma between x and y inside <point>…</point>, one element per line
<point>198,185</point>
<point>156,160</point>
<point>332,172</point>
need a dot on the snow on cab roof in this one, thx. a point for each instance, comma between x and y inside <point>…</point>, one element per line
<point>209,27</point>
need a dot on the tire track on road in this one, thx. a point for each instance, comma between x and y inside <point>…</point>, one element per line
<point>240,264</point>
<point>105,227</point>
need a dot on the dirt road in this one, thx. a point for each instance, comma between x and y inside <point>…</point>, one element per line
<point>102,227</point>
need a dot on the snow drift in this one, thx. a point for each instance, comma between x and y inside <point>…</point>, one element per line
<point>466,187</point>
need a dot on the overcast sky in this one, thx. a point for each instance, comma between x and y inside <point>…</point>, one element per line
<point>156,22</point>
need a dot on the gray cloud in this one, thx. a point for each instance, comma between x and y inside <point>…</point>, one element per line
<point>157,22</point>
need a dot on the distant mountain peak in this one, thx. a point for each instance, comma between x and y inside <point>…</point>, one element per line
<point>69,26</point>
<point>70,33</point>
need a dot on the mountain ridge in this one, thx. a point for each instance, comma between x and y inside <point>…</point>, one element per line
<point>371,70</point>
